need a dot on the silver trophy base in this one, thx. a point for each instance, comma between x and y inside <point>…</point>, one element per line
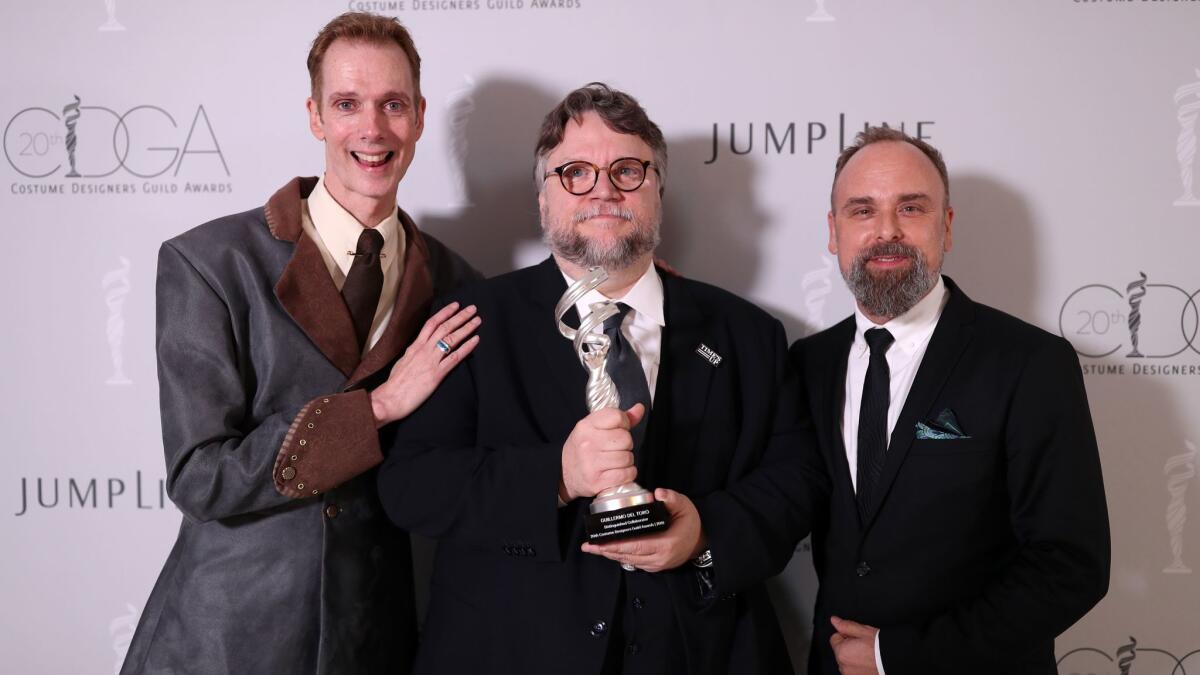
<point>623,512</point>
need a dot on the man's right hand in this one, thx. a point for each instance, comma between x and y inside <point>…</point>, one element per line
<point>599,453</point>
<point>424,364</point>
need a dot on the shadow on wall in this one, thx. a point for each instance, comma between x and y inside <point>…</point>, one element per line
<point>1147,439</point>
<point>713,226</point>
<point>1148,456</point>
<point>712,231</point>
<point>493,130</point>
<point>995,258</point>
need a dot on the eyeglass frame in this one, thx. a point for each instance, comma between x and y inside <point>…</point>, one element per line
<point>646,164</point>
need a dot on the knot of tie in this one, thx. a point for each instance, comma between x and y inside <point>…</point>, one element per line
<point>370,243</point>
<point>878,339</point>
<point>613,323</point>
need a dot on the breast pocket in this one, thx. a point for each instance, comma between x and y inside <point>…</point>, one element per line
<point>951,446</point>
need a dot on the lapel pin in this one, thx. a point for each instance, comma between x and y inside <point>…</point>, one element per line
<point>708,354</point>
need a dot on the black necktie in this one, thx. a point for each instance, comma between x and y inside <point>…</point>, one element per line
<point>872,419</point>
<point>625,368</point>
<point>364,283</point>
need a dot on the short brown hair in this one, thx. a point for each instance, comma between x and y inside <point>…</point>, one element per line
<point>620,112</point>
<point>362,27</point>
<point>883,134</point>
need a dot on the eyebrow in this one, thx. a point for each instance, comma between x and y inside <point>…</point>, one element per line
<point>870,201</point>
<point>387,96</point>
<point>858,201</point>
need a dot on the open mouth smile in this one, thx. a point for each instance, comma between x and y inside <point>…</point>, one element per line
<point>372,161</point>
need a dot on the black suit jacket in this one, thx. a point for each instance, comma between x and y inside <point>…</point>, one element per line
<point>478,466</point>
<point>981,550</point>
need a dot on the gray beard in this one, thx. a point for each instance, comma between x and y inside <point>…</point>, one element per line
<point>566,242</point>
<point>890,294</point>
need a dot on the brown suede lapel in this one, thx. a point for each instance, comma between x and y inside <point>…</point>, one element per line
<point>305,288</point>
<point>412,305</point>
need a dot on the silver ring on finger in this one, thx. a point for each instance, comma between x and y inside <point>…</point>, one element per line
<point>628,567</point>
<point>443,346</point>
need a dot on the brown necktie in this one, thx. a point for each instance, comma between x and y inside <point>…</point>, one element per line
<point>364,283</point>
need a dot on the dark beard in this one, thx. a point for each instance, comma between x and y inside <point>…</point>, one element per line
<point>892,293</point>
<point>570,245</point>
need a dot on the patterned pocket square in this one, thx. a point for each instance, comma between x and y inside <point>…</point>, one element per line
<point>941,428</point>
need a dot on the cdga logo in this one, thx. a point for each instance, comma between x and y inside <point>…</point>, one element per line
<point>1129,659</point>
<point>1146,320</point>
<point>94,141</point>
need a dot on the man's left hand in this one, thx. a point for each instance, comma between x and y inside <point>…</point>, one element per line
<point>683,540</point>
<point>854,647</point>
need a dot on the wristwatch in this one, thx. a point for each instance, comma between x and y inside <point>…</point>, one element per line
<point>704,559</point>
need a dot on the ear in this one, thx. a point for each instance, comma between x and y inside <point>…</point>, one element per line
<point>949,239</point>
<point>420,119</point>
<point>832,233</point>
<point>314,119</point>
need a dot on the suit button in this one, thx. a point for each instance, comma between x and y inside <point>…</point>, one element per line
<point>863,569</point>
<point>638,603</point>
<point>332,510</point>
<point>599,628</point>
<point>633,649</point>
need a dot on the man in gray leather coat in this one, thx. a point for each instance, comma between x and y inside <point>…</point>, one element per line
<point>278,335</point>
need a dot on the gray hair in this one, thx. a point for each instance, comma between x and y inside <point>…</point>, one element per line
<point>620,112</point>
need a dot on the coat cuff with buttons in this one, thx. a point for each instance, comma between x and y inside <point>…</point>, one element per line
<point>332,440</point>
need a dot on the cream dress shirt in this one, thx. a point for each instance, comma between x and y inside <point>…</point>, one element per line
<point>336,233</point>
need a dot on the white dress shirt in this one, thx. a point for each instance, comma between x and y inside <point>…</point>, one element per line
<point>643,325</point>
<point>911,331</point>
<point>336,233</point>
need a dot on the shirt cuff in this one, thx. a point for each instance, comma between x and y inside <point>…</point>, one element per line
<point>878,654</point>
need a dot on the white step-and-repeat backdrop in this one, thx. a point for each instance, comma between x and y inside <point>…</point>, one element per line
<point>1070,128</point>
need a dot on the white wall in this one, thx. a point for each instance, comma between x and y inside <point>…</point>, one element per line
<point>1068,150</point>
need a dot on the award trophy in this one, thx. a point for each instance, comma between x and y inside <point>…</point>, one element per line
<point>622,511</point>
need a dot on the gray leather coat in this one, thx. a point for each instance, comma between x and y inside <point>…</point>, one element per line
<point>250,330</point>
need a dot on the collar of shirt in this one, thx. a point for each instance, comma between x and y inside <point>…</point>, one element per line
<point>911,329</point>
<point>339,230</point>
<point>643,327</point>
<point>645,298</point>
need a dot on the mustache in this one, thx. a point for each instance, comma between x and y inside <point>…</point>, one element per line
<point>888,248</point>
<point>602,210</point>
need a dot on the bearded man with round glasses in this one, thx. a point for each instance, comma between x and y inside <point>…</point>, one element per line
<point>967,524</point>
<point>500,464</point>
